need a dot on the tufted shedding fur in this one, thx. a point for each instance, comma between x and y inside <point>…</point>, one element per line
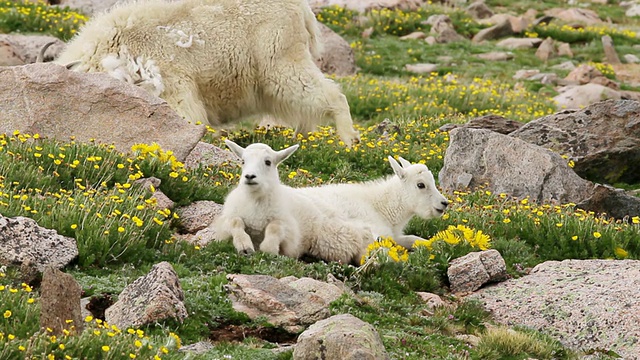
<point>385,206</point>
<point>262,212</point>
<point>217,60</point>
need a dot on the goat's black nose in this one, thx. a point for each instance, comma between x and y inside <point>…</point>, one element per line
<point>250,176</point>
<point>445,202</point>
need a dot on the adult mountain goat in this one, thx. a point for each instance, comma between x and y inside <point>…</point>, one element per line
<point>219,60</point>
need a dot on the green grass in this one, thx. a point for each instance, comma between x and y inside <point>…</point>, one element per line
<point>87,192</point>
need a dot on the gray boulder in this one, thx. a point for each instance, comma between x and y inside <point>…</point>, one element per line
<point>24,243</point>
<point>603,139</point>
<point>17,49</point>
<point>337,56</point>
<point>151,298</point>
<point>340,337</point>
<point>585,304</point>
<point>579,96</point>
<point>491,122</point>
<point>282,305</point>
<point>198,215</point>
<point>470,272</point>
<point>60,302</point>
<point>205,154</point>
<point>509,165</point>
<point>496,31</point>
<point>57,103</point>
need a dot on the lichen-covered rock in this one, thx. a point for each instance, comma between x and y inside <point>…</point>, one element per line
<point>282,305</point>
<point>342,337</point>
<point>328,292</point>
<point>205,154</point>
<point>470,272</point>
<point>24,243</point>
<point>50,100</point>
<point>154,297</point>
<point>198,215</point>
<point>477,157</point>
<point>602,139</point>
<point>585,304</point>
<point>60,302</point>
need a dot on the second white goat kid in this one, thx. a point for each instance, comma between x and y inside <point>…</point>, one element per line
<point>386,205</point>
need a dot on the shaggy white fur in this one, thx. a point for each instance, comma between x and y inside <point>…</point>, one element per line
<point>218,60</point>
<point>385,206</point>
<point>262,212</point>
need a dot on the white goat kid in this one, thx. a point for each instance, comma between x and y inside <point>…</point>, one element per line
<point>262,212</point>
<point>217,60</point>
<point>257,211</point>
<point>387,205</point>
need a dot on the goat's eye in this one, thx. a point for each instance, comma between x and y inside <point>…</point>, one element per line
<point>267,162</point>
<point>421,186</point>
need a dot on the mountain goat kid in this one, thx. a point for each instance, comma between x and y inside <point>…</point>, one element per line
<point>217,60</point>
<point>262,211</point>
<point>386,205</point>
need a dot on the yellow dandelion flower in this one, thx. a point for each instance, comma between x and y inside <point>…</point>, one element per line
<point>597,235</point>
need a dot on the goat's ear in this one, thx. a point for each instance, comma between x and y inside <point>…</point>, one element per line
<point>283,154</point>
<point>235,148</point>
<point>397,168</point>
<point>404,162</point>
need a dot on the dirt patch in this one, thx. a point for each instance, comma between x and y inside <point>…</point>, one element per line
<point>237,333</point>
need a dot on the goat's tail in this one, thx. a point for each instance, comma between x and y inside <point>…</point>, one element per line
<point>311,24</point>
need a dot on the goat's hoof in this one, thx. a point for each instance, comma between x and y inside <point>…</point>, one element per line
<point>247,252</point>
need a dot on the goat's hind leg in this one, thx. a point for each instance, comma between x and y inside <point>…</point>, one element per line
<point>307,99</point>
<point>241,240</point>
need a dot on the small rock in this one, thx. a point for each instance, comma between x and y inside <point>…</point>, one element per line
<point>633,11</point>
<point>494,32</point>
<point>609,51</point>
<point>421,68</point>
<point>546,50</point>
<point>198,215</point>
<point>567,65</point>
<point>479,10</point>
<point>23,242</point>
<point>616,203</point>
<point>432,300</point>
<point>583,74</point>
<point>430,40</point>
<point>519,43</point>
<point>205,154</point>
<point>198,348</point>
<point>151,298</point>
<point>470,272</point>
<point>469,339</point>
<point>579,96</point>
<point>340,337</point>
<point>564,49</point>
<point>416,35</point>
<point>60,302</point>
<point>328,292</point>
<point>525,74</point>
<point>496,56</point>
<point>280,304</point>
<point>336,56</point>
<point>631,59</point>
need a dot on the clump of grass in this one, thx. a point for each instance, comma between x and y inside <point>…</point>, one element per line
<point>38,16</point>
<point>501,343</point>
<point>569,34</point>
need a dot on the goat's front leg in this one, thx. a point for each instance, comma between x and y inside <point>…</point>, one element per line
<point>241,240</point>
<point>274,235</point>
<point>407,241</point>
